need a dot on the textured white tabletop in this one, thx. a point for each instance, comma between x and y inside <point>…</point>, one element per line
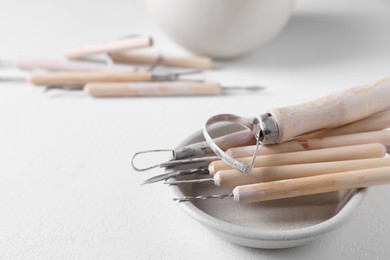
<point>66,187</point>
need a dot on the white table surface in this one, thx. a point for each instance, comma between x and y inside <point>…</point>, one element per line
<point>66,187</point>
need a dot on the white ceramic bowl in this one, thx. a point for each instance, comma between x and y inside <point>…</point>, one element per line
<point>273,224</point>
<point>221,28</point>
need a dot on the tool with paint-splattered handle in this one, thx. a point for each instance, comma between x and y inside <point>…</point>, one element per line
<point>178,88</point>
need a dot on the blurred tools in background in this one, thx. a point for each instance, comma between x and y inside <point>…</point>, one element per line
<point>113,69</point>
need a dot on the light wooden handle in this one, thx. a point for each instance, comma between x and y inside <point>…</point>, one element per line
<point>152,89</point>
<point>54,65</point>
<point>203,63</point>
<point>382,137</point>
<point>344,153</point>
<point>233,178</point>
<point>311,185</point>
<point>375,122</point>
<point>79,79</point>
<point>333,110</point>
<point>112,46</point>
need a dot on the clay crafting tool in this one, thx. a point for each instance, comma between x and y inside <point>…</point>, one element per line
<point>201,63</point>
<point>119,45</point>
<point>303,186</point>
<point>233,178</point>
<point>25,63</point>
<point>284,124</point>
<point>382,137</point>
<point>243,138</point>
<point>196,151</point>
<point>353,152</point>
<point>178,88</point>
<point>79,79</point>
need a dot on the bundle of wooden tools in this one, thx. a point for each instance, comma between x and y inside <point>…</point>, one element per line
<point>117,75</point>
<point>335,148</point>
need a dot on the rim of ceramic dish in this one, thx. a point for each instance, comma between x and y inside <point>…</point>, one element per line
<point>272,235</point>
<point>269,235</point>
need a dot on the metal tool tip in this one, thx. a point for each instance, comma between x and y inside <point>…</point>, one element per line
<point>175,182</point>
<point>255,88</point>
<point>252,88</point>
<point>203,197</point>
<point>141,169</point>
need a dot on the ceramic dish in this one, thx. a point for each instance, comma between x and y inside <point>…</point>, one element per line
<point>273,224</point>
<point>221,28</point>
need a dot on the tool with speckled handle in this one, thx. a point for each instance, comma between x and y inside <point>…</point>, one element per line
<point>233,178</point>
<point>142,89</point>
<point>112,46</point>
<point>311,185</point>
<point>352,152</point>
<point>333,110</point>
<point>79,79</point>
<point>382,137</point>
<point>178,88</point>
<point>202,63</point>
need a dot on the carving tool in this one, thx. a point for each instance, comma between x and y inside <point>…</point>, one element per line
<point>25,63</point>
<point>233,177</point>
<point>178,88</point>
<point>303,186</point>
<point>352,152</point>
<point>382,137</point>
<point>119,45</point>
<point>242,138</point>
<point>193,151</point>
<point>284,124</point>
<point>79,79</point>
<point>201,63</point>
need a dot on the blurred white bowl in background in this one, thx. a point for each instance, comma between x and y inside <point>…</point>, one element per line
<point>221,28</point>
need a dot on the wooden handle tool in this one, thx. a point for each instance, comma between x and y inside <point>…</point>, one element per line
<point>179,88</point>
<point>311,185</point>
<point>382,137</point>
<point>352,152</point>
<point>375,122</point>
<point>233,178</point>
<point>283,124</point>
<point>112,46</point>
<point>79,79</point>
<point>25,63</point>
<point>332,111</point>
<point>202,63</point>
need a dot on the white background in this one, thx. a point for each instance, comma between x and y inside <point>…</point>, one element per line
<point>66,187</point>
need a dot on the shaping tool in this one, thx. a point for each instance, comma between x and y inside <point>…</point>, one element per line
<point>243,138</point>
<point>382,137</point>
<point>25,63</point>
<point>79,79</point>
<point>352,152</point>
<point>303,186</point>
<point>284,124</point>
<point>178,88</point>
<point>123,44</point>
<point>202,63</point>
<point>233,178</point>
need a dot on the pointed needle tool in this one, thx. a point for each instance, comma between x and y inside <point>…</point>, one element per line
<point>81,78</point>
<point>203,197</point>
<point>172,163</point>
<point>165,176</point>
<point>175,182</point>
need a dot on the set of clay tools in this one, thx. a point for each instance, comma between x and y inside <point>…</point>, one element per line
<point>119,73</point>
<point>337,142</point>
